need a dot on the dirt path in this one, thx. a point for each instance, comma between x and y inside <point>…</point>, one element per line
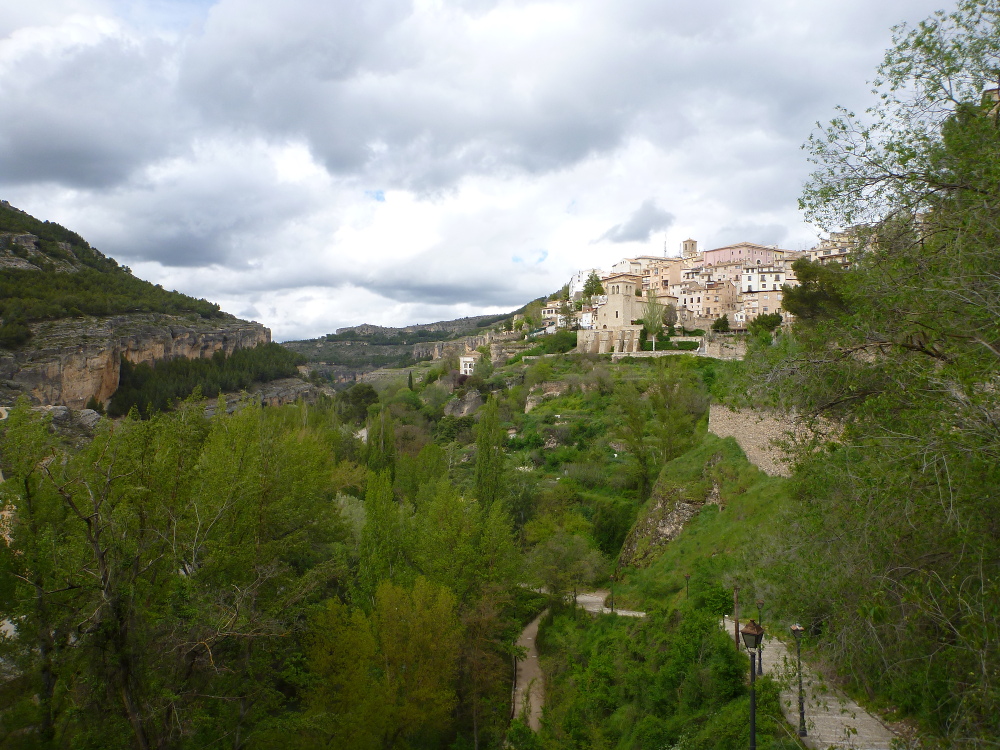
<point>529,690</point>
<point>832,719</point>
<point>593,602</point>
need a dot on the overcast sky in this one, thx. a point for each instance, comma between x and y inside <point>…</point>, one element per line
<point>313,164</point>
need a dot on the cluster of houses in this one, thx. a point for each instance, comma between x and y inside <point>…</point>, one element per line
<point>740,281</point>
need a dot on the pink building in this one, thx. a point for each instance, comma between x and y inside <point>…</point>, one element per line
<point>747,253</point>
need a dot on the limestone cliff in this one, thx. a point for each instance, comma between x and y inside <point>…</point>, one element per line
<point>71,360</point>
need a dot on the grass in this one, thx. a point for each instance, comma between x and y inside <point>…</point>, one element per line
<point>713,546</point>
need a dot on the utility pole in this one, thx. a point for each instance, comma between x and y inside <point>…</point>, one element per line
<point>736,614</point>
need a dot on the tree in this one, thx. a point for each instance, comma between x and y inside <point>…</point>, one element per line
<point>653,314</point>
<point>764,323</point>
<point>902,353</point>
<point>564,562</point>
<point>721,324</point>
<point>818,294</point>
<point>632,430</point>
<point>592,286</point>
<point>670,316</point>
<point>384,680</point>
<point>489,479</point>
<point>381,443</point>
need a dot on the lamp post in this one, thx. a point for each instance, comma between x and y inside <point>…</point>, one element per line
<point>687,585</point>
<point>752,634</point>
<point>760,621</point>
<point>797,631</point>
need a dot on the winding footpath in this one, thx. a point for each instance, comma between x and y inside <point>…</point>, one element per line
<point>832,719</point>
<point>529,685</point>
<point>529,682</point>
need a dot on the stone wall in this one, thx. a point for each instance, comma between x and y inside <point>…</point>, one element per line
<point>602,341</point>
<point>720,346</point>
<point>69,361</point>
<point>756,433</point>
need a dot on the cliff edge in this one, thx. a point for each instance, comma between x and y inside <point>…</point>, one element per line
<point>71,360</point>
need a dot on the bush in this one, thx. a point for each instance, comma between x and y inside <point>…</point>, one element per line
<point>14,334</point>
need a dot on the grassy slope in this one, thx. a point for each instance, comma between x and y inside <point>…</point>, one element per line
<point>714,545</point>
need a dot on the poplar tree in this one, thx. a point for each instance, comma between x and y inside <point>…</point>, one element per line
<point>490,484</point>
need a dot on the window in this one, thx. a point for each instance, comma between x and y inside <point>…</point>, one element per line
<point>616,313</point>
<point>765,309</point>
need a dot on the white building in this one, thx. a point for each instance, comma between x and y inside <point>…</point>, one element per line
<point>467,363</point>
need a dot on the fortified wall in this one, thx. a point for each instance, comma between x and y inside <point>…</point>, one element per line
<point>615,340</point>
<point>756,432</point>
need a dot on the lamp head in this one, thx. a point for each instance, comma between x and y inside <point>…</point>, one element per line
<point>752,635</point>
<point>797,631</point>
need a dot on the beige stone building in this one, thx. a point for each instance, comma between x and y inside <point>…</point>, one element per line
<point>839,248</point>
<point>622,305</point>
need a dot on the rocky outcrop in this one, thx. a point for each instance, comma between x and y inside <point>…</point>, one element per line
<point>543,392</point>
<point>668,511</point>
<point>464,406</point>
<point>71,360</point>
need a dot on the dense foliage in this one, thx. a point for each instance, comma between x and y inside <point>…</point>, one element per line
<point>902,353</point>
<point>44,295</point>
<point>671,680</point>
<point>157,388</point>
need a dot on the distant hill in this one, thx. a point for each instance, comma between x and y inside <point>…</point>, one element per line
<point>358,349</point>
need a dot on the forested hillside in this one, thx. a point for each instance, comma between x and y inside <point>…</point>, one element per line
<point>48,272</point>
<point>266,574</point>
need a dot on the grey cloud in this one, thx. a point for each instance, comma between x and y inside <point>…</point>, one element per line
<point>645,220</point>
<point>88,115</point>
<point>374,92</point>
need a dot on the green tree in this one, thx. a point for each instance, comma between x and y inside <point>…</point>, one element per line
<point>490,482</point>
<point>388,679</point>
<point>633,430</point>
<point>652,319</point>
<point>721,324</point>
<point>901,353</point>
<point>592,286</point>
<point>381,442</point>
<point>564,563</point>
<point>765,323</point>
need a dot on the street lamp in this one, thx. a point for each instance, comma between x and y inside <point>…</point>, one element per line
<point>797,631</point>
<point>687,585</point>
<point>752,635</point>
<point>760,621</point>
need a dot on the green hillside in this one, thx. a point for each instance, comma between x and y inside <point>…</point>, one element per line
<point>54,273</point>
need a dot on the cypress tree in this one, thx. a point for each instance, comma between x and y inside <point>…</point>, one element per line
<point>489,475</point>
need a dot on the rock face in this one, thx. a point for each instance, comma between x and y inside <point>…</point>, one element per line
<point>463,407</point>
<point>69,361</point>
<point>663,520</point>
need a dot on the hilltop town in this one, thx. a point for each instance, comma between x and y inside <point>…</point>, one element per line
<point>697,290</point>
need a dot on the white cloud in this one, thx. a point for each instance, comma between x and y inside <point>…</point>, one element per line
<point>315,165</point>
